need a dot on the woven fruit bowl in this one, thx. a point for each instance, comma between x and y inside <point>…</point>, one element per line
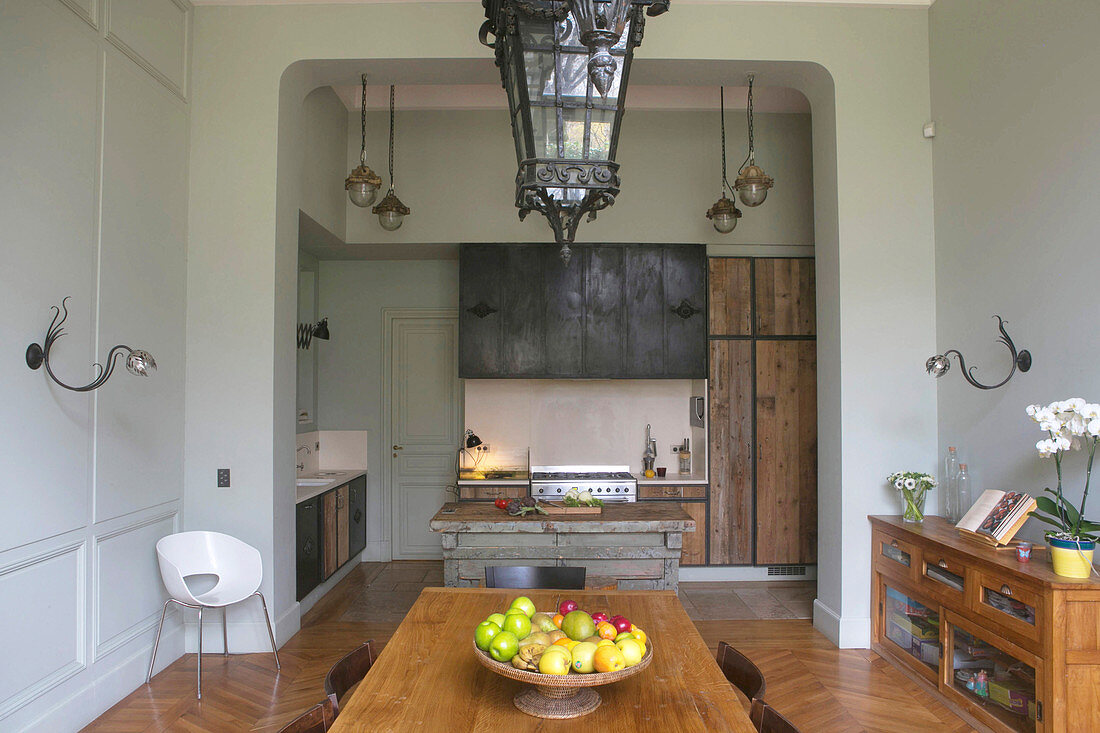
<point>560,696</point>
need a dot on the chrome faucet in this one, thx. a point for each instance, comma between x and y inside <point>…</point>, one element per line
<point>302,466</point>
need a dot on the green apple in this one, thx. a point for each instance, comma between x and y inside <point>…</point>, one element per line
<point>484,634</point>
<point>624,635</point>
<point>496,618</point>
<point>524,604</point>
<point>504,646</point>
<point>582,657</point>
<point>517,623</point>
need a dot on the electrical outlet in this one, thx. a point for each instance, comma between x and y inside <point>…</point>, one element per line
<point>676,448</point>
<point>484,447</point>
<point>223,478</point>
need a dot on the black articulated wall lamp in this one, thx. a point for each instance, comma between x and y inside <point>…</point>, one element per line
<point>939,365</point>
<point>307,332</point>
<point>138,362</point>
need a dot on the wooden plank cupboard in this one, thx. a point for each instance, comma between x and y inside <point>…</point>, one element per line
<point>763,411</point>
<point>615,311</point>
<point>946,608</point>
<point>331,531</point>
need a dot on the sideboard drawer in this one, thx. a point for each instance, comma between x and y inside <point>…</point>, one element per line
<point>895,557</point>
<point>695,491</point>
<point>943,575</point>
<point>1009,603</point>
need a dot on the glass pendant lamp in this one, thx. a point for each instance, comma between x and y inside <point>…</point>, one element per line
<point>362,184</point>
<point>724,214</point>
<point>752,183</point>
<point>391,212</point>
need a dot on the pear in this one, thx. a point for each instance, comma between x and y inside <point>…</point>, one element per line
<point>543,622</point>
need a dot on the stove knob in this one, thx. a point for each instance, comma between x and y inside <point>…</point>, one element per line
<point>540,491</point>
<point>616,490</point>
<point>559,489</point>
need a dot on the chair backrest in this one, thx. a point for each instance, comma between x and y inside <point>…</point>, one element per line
<point>745,676</point>
<point>315,720</point>
<point>346,673</point>
<point>772,722</point>
<point>200,553</point>
<point>524,576</point>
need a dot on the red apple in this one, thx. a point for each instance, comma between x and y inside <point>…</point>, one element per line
<point>566,607</point>
<point>599,616</point>
<point>621,624</point>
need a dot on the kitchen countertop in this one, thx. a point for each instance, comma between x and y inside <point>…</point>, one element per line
<point>616,517</point>
<point>337,477</point>
<point>672,479</point>
<point>493,482</point>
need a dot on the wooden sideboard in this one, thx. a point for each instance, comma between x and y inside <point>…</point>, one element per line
<point>947,608</point>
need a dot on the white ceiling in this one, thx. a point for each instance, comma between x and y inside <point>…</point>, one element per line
<point>427,96</point>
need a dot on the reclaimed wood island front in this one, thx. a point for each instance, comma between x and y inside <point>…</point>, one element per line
<point>637,545</point>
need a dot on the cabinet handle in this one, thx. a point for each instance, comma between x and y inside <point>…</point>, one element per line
<point>1005,590</point>
<point>942,563</point>
<point>671,491</point>
<point>894,544</point>
<point>685,310</point>
<point>482,309</point>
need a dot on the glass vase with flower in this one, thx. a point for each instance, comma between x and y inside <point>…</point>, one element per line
<point>913,487</point>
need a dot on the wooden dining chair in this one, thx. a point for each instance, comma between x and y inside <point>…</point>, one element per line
<point>315,720</point>
<point>745,676</point>
<point>772,722</point>
<point>347,673</point>
<point>526,576</point>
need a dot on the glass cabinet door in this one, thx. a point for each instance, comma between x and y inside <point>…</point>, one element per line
<point>1000,683</point>
<point>912,628</point>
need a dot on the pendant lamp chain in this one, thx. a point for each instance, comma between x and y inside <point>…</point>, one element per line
<point>752,141</point>
<point>391,137</point>
<point>363,124</point>
<point>362,184</point>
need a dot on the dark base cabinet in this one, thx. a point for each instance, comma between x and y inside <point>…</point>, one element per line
<point>309,545</point>
<point>327,524</point>
<point>616,311</point>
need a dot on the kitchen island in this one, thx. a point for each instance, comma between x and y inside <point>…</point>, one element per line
<point>636,544</point>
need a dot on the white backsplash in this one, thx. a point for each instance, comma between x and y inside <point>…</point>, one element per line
<point>587,421</point>
<point>339,449</point>
<point>307,453</point>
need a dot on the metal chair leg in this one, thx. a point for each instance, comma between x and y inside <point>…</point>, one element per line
<point>225,630</point>
<point>270,633</point>
<point>156,643</point>
<point>200,654</point>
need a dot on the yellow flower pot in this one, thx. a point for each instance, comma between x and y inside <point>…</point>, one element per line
<point>1071,560</point>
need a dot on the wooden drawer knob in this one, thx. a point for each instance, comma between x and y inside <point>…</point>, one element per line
<point>1005,590</point>
<point>942,563</point>
<point>894,544</point>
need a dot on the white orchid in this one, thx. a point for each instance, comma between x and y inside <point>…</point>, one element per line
<point>1093,428</point>
<point>1068,423</point>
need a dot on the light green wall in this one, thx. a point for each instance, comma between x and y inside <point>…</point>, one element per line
<point>352,295</point>
<point>324,132</point>
<point>456,170</point>
<point>93,198</point>
<point>865,73</point>
<point>1016,154</point>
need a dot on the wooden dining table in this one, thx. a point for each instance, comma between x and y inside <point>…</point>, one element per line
<point>428,679</point>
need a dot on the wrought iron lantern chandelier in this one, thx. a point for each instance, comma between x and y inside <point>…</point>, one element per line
<point>362,184</point>
<point>564,65</point>
<point>724,214</point>
<point>752,183</point>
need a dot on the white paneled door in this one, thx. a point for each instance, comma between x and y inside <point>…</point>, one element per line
<point>425,426</point>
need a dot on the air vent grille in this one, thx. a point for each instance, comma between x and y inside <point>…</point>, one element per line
<point>786,570</point>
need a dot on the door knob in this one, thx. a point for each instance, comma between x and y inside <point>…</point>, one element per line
<point>397,447</point>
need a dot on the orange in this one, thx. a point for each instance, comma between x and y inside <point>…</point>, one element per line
<point>638,634</point>
<point>558,618</point>
<point>608,659</point>
<point>567,643</point>
<point>606,630</point>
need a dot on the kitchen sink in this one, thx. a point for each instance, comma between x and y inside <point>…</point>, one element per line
<point>312,481</point>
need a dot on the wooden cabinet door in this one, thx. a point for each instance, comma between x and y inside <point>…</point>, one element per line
<point>730,292</point>
<point>480,303</point>
<point>684,310</point>
<point>308,546</point>
<point>342,546</point>
<point>785,297</point>
<point>564,313</point>
<point>522,316</point>
<point>695,543</point>
<point>786,452</point>
<point>731,441</point>
<point>357,516</point>
<point>604,325</point>
<point>329,533</point>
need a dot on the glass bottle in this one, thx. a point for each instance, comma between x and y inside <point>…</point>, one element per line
<point>951,486</point>
<point>962,482</point>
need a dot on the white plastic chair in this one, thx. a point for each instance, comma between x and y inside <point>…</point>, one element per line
<point>238,570</point>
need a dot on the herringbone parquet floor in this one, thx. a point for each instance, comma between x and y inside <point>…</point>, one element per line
<point>820,688</point>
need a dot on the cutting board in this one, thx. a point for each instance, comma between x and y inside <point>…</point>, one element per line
<point>556,507</point>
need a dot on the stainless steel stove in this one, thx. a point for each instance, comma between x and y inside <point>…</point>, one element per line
<point>609,483</point>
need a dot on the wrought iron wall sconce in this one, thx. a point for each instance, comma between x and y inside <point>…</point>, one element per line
<point>939,365</point>
<point>138,362</point>
<point>307,332</point>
